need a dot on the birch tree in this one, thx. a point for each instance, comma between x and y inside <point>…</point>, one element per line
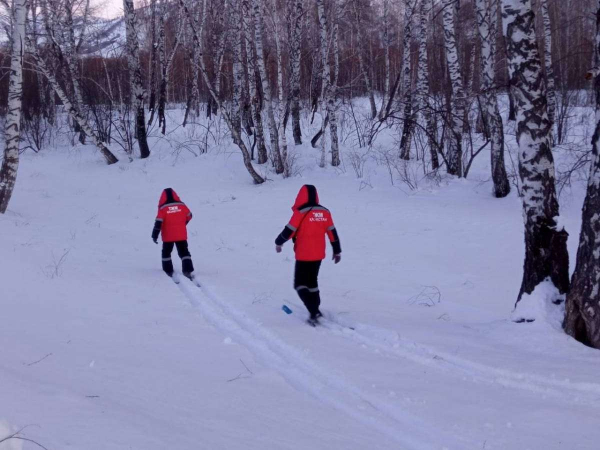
<point>238,75</point>
<point>408,116</point>
<point>385,40</point>
<point>550,80</point>
<point>361,59</point>
<point>423,87</point>
<point>582,319</point>
<point>486,15</point>
<point>70,107</point>
<point>456,115</point>
<point>255,101</point>
<point>296,21</point>
<point>166,62</point>
<point>194,95</point>
<point>328,89</point>
<point>546,254</point>
<point>277,33</point>
<point>237,138</point>
<point>12,127</point>
<point>135,77</point>
<point>266,87</point>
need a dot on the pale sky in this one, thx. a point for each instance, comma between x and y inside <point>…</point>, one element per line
<point>109,9</point>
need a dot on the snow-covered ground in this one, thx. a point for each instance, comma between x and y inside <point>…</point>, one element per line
<point>100,350</point>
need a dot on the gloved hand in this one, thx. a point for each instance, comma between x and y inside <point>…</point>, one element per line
<point>278,248</point>
<point>337,258</point>
<point>155,240</point>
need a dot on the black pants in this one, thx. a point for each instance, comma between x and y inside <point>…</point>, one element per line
<point>182,251</point>
<point>306,283</point>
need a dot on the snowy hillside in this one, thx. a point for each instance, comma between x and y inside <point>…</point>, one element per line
<point>100,350</point>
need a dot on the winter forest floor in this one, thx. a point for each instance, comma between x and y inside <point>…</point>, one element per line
<point>100,350</point>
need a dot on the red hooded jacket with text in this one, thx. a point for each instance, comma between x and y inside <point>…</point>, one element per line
<point>174,216</point>
<point>308,226</point>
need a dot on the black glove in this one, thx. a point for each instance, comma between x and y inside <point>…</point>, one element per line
<point>155,240</point>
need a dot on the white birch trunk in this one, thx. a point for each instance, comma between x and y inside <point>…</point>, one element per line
<point>582,319</point>
<point>328,89</point>
<point>386,47</point>
<point>550,79</point>
<point>486,13</point>
<point>260,62</point>
<point>295,59</point>
<point>455,117</point>
<point>408,116</point>
<point>263,156</point>
<point>12,127</point>
<point>135,77</point>
<point>545,242</point>
<point>238,75</point>
<point>282,103</point>
<point>423,84</point>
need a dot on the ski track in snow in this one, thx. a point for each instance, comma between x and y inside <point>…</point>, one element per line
<point>388,342</point>
<point>326,386</point>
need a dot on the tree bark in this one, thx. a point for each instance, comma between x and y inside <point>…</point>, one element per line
<point>486,13</point>
<point>408,116</point>
<point>423,85</point>
<point>550,79</point>
<point>135,77</point>
<point>12,127</point>
<point>386,46</point>
<point>546,254</point>
<point>456,115</point>
<point>266,87</point>
<point>295,60</point>
<point>582,319</point>
<point>255,102</point>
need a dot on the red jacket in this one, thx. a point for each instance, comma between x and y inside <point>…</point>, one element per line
<point>172,218</point>
<point>308,226</point>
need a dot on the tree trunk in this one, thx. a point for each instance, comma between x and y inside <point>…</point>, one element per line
<point>455,117</point>
<point>546,254</point>
<point>361,60</point>
<point>255,103</point>
<point>165,65</point>
<point>386,46</point>
<point>266,87</point>
<point>327,89</point>
<point>12,127</point>
<point>71,60</point>
<point>237,138</point>
<point>135,77</point>
<point>408,116</point>
<point>295,59</point>
<point>153,62</point>
<point>423,85</point>
<point>550,81</point>
<point>282,104</point>
<point>238,75</point>
<point>72,109</point>
<point>486,13</point>
<point>582,319</point>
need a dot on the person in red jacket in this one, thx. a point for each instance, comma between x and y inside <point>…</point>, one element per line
<point>308,226</point>
<point>171,221</point>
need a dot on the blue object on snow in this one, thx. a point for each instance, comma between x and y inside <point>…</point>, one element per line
<point>286,309</point>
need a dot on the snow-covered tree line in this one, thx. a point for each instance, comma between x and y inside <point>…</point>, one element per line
<point>426,67</point>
